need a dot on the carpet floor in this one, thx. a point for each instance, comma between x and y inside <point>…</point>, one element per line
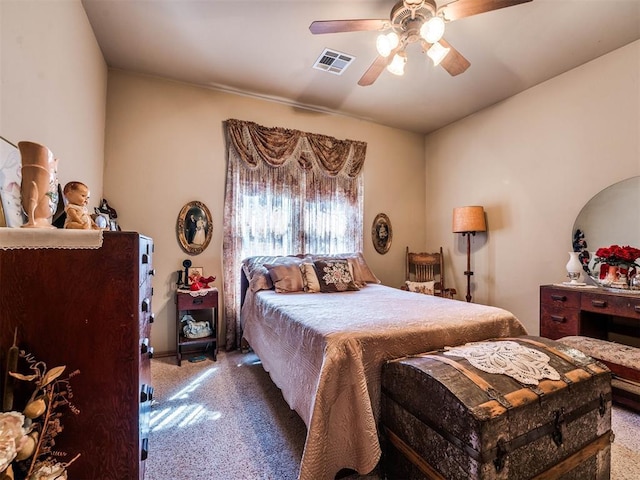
<point>226,420</point>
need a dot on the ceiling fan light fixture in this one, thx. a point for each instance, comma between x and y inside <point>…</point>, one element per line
<point>432,30</point>
<point>437,53</point>
<point>385,43</point>
<point>397,64</point>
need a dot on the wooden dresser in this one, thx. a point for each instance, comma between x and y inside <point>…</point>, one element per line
<point>597,313</point>
<point>593,313</point>
<point>89,309</point>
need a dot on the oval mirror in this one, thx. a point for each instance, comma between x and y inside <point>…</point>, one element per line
<point>612,217</point>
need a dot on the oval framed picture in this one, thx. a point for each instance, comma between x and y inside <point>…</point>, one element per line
<point>194,227</point>
<point>381,233</point>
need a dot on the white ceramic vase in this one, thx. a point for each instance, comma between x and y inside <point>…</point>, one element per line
<point>574,268</point>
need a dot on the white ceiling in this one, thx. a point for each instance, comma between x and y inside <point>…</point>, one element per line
<point>264,48</point>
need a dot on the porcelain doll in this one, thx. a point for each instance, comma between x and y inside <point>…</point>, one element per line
<point>77,196</point>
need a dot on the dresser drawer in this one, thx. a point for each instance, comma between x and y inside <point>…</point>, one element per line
<point>187,302</point>
<point>560,297</point>
<point>557,322</point>
<point>611,305</point>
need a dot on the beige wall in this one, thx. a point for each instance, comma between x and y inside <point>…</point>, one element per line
<point>165,147</point>
<point>533,161</point>
<point>53,85</point>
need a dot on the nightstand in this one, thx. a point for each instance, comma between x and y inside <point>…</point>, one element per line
<point>203,306</point>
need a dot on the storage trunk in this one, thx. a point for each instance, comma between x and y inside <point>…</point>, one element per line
<point>444,418</point>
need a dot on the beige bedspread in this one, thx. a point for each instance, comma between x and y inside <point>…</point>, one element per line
<point>325,352</point>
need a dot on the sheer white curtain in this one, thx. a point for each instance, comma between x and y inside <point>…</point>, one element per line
<point>287,192</point>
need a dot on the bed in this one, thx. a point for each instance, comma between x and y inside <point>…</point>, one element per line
<point>325,350</point>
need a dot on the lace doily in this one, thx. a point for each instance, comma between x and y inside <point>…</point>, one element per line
<point>522,363</point>
<point>36,238</point>
<point>198,293</point>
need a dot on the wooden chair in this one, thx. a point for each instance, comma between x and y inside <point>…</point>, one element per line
<point>427,267</point>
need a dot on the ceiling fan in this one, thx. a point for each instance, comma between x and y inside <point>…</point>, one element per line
<point>414,21</point>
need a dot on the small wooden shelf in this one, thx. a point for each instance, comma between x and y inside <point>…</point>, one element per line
<point>187,303</point>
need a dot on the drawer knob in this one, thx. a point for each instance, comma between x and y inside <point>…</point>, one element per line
<point>636,308</point>
<point>599,303</point>
<point>152,317</point>
<point>145,449</point>
<point>144,346</point>
<point>558,318</point>
<point>144,394</point>
<point>146,305</point>
<point>559,298</point>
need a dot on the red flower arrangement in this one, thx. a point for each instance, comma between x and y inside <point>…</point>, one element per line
<point>616,255</point>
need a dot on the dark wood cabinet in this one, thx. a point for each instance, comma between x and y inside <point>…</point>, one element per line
<point>195,304</point>
<point>593,313</point>
<point>89,309</point>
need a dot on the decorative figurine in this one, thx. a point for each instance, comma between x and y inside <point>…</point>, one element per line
<point>197,281</point>
<point>77,196</point>
<point>106,208</point>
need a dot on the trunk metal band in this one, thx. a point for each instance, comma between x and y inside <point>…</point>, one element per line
<point>564,466</point>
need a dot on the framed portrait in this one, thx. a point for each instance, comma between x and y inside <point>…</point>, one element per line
<point>194,227</point>
<point>381,233</point>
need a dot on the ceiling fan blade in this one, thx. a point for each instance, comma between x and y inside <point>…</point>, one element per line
<point>454,62</point>
<point>465,8</point>
<point>338,26</point>
<point>374,70</point>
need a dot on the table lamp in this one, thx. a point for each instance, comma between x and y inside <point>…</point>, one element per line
<point>468,221</point>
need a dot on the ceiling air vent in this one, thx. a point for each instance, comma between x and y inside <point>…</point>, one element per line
<point>333,62</point>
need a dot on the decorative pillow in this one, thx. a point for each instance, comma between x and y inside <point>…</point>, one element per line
<point>334,275</point>
<point>356,272</point>
<point>261,280</point>
<point>421,287</point>
<point>361,275</point>
<point>310,277</point>
<point>258,275</point>
<point>286,278</point>
<point>367,274</point>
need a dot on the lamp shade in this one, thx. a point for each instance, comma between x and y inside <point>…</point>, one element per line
<point>469,219</point>
<point>397,64</point>
<point>437,53</point>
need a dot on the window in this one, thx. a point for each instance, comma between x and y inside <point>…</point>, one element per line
<point>308,200</point>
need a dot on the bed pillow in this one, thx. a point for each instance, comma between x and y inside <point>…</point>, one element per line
<point>256,273</point>
<point>286,277</point>
<point>367,274</point>
<point>310,277</point>
<point>334,275</point>
<point>421,287</point>
<point>260,280</point>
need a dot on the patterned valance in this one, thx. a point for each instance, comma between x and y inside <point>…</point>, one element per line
<point>275,146</point>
